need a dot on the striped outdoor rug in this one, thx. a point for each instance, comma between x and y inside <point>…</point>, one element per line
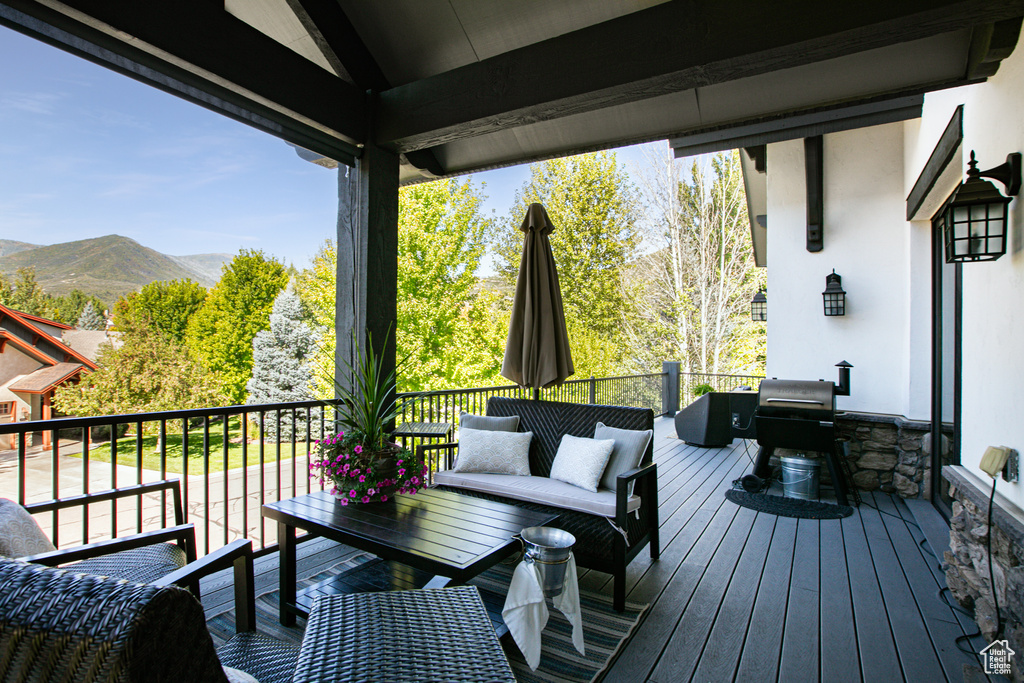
<point>604,629</point>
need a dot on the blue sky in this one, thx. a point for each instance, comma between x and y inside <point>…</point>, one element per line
<point>86,152</point>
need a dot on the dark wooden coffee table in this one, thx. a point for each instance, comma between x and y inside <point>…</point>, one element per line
<point>449,536</point>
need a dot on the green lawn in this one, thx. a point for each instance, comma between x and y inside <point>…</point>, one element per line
<point>126,450</point>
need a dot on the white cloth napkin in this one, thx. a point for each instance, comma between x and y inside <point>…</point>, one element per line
<point>526,612</point>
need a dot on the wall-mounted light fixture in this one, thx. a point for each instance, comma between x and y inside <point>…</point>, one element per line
<point>974,221</point>
<point>834,296</point>
<point>759,307</point>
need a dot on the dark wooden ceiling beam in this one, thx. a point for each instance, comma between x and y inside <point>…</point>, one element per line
<point>339,42</point>
<point>667,48</point>
<point>342,46</point>
<point>197,45</point>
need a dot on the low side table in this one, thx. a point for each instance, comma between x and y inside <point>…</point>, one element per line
<point>424,431</point>
<point>402,636</point>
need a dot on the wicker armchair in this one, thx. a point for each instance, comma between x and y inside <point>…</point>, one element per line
<point>163,556</point>
<point>59,625</point>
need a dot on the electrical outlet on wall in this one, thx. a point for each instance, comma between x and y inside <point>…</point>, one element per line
<point>1011,470</point>
<point>994,460</point>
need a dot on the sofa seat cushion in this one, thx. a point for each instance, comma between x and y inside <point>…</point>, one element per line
<point>595,537</point>
<point>538,490</point>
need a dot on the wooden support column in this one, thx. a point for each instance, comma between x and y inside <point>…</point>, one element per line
<point>367,271</point>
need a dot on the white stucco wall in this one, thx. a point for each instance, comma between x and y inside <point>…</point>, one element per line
<point>993,292</point>
<point>868,244</point>
<point>885,262</point>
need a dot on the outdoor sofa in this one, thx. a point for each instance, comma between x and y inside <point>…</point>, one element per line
<point>612,527</point>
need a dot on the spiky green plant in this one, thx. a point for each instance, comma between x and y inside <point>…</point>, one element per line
<point>371,403</point>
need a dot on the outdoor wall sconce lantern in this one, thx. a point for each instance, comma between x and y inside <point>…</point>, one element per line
<point>834,296</point>
<point>759,307</point>
<point>975,218</point>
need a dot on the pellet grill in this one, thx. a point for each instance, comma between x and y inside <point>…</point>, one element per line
<point>800,414</point>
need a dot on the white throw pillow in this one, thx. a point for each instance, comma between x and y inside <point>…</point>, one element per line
<point>630,446</point>
<point>580,461</point>
<point>491,452</point>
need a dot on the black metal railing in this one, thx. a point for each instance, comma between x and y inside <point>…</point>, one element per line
<point>231,460</point>
<point>689,381</point>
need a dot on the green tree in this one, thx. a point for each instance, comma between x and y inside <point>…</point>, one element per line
<point>91,319</point>
<point>146,372</point>
<point>441,232</point>
<point>165,305</point>
<point>697,281</point>
<point>23,293</point>
<point>594,208</point>
<point>281,362</point>
<point>69,307</point>
<point>451,330</point>
<point>220,333</point>
<point>316,289</point>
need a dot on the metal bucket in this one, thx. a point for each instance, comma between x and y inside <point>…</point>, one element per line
<point>548,548</point>
<point>800,477</point>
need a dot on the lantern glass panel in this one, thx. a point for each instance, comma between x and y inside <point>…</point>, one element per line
<point>759,311</point>
<point>835,303</point>
<point>975,232</point>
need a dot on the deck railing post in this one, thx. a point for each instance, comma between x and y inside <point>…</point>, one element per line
<point>669,388</point>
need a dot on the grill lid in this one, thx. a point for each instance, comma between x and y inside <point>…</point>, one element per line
<point>780,396</point>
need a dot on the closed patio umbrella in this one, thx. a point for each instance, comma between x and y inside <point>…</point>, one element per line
<point>537,351</point>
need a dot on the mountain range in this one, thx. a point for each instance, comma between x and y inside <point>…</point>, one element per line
<point>106,267</point>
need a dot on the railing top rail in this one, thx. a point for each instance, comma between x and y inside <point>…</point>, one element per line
<point>128,418</point>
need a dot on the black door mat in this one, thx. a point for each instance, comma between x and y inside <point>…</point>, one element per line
<point>788,507</point>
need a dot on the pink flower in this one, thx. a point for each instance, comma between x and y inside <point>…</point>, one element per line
<point>358,449</point>
<point>401,472</point>
<point>370,492</point>
<point>344,467</point>
<point>415,480</point>
<point>399,462</point>
<point>366,499</point>
<point>344,501</point>
<point>352,493</point>
<point>362,479</point>
<point>384,497</point>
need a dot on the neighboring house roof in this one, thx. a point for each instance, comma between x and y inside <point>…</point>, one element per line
<point>14,322</point>
<point>45,379</point>
<point>87,342</point>
<point>45,321</point>
<point>25,347</point>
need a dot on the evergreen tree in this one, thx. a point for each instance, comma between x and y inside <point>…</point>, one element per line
<point>281,359</point>
<point>91,319</point>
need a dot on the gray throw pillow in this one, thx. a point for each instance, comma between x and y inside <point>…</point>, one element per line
<point>20,535</point>
<point>580,461</point>
<point>630,446</point>
<point>489,423</point>
<point>490,452</point>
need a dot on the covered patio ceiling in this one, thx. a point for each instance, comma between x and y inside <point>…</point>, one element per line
<point>463,85</point>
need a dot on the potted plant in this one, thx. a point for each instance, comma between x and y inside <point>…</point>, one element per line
<point>358,458</point>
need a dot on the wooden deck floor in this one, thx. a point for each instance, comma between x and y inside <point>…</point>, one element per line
<point>746,596</point>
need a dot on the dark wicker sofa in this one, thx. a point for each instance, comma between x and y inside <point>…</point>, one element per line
<point>600,544</point>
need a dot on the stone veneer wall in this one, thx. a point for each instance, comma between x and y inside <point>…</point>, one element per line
<point>967,559</point>
<point>887,452</point>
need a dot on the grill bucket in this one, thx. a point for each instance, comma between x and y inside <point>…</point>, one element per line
<point>549,549</point>
<point>800,477</point>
